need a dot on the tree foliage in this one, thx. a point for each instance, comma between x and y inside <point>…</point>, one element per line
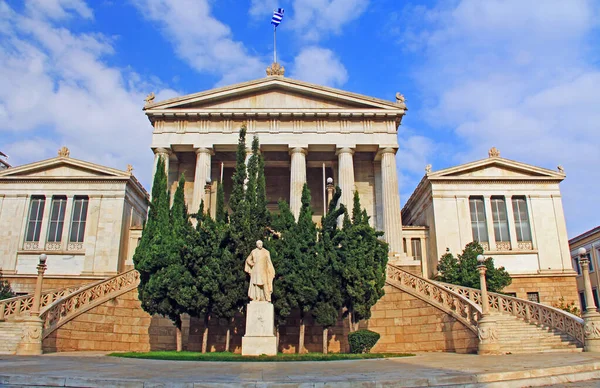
<point>6,291</point>
<point>463,270</point>
<point>364,258</point>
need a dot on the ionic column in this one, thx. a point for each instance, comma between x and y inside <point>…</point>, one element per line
<point>392,218</point>
<point>297,178</point>
<point>346,176</point>
<point>158,152</point>
<point>201,176</point>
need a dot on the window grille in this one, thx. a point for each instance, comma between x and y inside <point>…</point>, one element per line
<point>57,218</point>
<point>34,221</point>
<point>500,219</point>
<point>78,220</point>
<point>521,219</point>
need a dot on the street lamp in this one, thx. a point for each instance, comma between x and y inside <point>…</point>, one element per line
<point>329,191</point>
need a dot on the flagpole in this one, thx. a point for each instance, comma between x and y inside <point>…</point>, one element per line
<point>274,44</point>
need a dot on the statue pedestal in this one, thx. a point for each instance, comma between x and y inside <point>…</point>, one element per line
<point>260,329</point>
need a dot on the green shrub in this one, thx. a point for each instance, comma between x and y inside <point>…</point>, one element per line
<point>362,341</point>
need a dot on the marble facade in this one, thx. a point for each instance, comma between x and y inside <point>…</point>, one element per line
<point>115,208</point>
<point>308,133</point>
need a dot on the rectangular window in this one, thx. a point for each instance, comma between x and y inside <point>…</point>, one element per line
<point>500,219</point>
<point>521,218</point>
<point>513,294</point>
<point>36,213</point>
<point>595,295</point>
<point>478,223</point>
<point>591,265</point>
<point>57,218</point>
<point>415,244</point>
<point>533,297</point>
<point>80,206</point>
<point>582,300</point>
<point>404,244</point>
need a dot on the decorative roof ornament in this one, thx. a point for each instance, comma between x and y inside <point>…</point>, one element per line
<point>129,168</point>
<point>561,169</point>
<point>64,152</point>
<point>428,168</point>
<point>275,69</point>
<point>149,99</point>
<point>494,153</point>
<point>400,100</point>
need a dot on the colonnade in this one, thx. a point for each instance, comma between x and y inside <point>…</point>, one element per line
<point>392,222</point>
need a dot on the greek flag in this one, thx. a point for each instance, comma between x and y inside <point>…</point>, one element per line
<point>277,17</point>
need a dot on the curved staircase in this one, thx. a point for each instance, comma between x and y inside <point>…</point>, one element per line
<point>528,327</point>
<point>523,326</point>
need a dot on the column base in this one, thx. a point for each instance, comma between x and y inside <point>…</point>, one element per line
<point>488,336</point>
<point>591,331</point>
<point>31,339</point>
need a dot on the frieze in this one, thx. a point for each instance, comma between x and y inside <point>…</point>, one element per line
<point>591,330</point>
<point>487,335</point>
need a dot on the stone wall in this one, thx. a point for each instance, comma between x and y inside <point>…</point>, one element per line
<point>405,323</point>
<point>550,288</point>
<point>26,284</point>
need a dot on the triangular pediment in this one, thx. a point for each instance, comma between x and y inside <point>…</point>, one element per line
<point>495,168</point>
<point>61,167</point>
<point>273,94</point>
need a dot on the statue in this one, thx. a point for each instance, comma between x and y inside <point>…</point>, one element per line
<point>150,98</point>
<point>260,268</point>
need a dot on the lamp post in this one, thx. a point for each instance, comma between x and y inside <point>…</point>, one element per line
<point>32,325</point>
<point>591,317</point>
<point>330,189</point>
<point>486,326</point>
<point>207,195</point>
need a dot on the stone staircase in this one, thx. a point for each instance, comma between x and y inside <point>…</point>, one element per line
<point>517,336</point>
<point>10,335</point>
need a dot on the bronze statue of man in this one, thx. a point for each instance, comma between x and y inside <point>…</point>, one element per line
<point>260,268</point>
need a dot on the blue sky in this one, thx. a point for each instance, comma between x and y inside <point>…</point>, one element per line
<point>521,75</point>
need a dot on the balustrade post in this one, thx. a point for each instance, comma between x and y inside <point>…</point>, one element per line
<point>2,307</point>
<point>32,325</point>
<point>486,327</point>
<point>591,317</point>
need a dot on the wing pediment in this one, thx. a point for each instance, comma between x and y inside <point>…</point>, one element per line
<point>272,94</point>
<point>62,168</point>
<point>495,168</point>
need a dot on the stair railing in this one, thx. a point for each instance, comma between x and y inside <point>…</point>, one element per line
<point>78,302</point>
<point>453,303</point>
<point>22,305</point>
<point>529,311</point>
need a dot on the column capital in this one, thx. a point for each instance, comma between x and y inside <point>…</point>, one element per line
<point>204,150</point>
<point>387,150</point>
<point>162,150</point>
<point>344,150</point>
<point>297,150</point>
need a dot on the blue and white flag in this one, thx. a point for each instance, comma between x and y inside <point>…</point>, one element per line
<point>277,17</point>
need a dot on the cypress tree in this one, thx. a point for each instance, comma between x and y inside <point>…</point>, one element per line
<point>305,260</point>
<point>221,211</point>
<point>328,283</point>
<point>363,270</point>
<point>166,287</point>
<point>282,249</point>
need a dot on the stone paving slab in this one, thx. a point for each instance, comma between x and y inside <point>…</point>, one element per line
<point>423,370</point>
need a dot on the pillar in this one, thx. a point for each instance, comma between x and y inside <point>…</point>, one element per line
<point>158,152</point>
<point>297,178</point>
<point>201,176</point>
<point>486,326</point>
<point>346,176</point>
<point>392,218</point>
<point>591,317</point>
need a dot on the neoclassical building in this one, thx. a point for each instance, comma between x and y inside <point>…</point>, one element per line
<point>513,209</point>
<point>85,217</point>
<point>308,133</point>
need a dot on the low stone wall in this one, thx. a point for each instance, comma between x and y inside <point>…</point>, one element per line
<point>406,324</point>
<point>550,288</point>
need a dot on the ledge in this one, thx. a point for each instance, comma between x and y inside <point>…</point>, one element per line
<point>511,252</point>
<point>50,253</point>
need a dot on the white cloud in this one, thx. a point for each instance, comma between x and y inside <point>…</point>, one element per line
<point>56,90</point>
<point>313,19</point>
<point>263,8</point>
<point>59,9</point>
<point>520,77</point>
<point>320,66</point>
<point>201,40</point>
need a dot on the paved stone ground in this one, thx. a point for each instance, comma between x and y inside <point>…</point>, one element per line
<point>430,369</point>
<point>581,384</point>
